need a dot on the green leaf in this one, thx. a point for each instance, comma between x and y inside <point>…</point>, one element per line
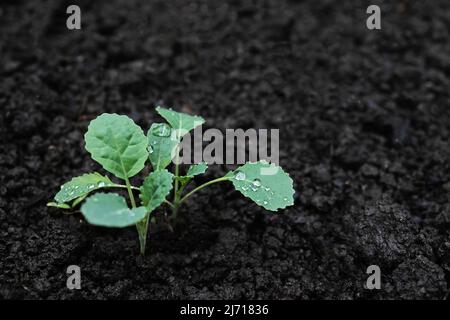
<point>81,186</point>
<point>193,170</point>
<point>155,189</point>
<point>162,142</point>
<point>197,169</point>
<point>58,205</point>
<point>266,184</point>
<point>181,122</point>
<point>111,210</point>
<point>118,144</point>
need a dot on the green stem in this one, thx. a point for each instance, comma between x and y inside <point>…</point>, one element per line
<point>176,193</point>
<point>201,187</point>
<point>122,186</point>
<point>169,203</point>
<point>182,186</point>
<point>141,226</point>
<point>130,193</point>
<point>142,229</point>
<point>177,173</point>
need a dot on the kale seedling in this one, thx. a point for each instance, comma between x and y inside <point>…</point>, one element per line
<point>122,148</point>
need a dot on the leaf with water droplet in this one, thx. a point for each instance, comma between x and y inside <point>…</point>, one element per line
<point>156,188</point>
<point>111,210</point>
<point>161,130</point>
<point>257,183</point>
<point>118,144</point>
<point>163,145</point>
<point>239,175</point>
<point>80,186</point>
<point>181,122</point>
<point>271,191</point>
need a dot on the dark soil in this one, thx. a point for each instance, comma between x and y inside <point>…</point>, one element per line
<point>364,119</point>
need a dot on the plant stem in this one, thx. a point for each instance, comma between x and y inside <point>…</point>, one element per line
<point>177,173</point>
<point>176,194</point>
<point>142,229</point>
<point>201,187</point>
<point>169,203</point>
<point>124,186</point>
<point>121,186</point>
<point>141,226</point>
<point>130,193</point>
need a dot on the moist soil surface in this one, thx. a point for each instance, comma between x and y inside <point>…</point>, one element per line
<point>364,126</point>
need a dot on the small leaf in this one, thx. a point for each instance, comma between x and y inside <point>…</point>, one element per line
<point>58,205</point>
<point>273,192</point>
<point>194,170</point>
<point>181,122</point>
<point>197,169</point>
<point>111,210</point>
<point>162,143</point>
<point>155,189</point>
<point>81,186</point>
<point>118,144</point>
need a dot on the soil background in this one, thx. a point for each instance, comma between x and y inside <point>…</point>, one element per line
<point>364,125</point>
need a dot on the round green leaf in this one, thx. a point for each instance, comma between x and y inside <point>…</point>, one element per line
<point>111,210</point>
<point>266,184</point>
<point>118,144</point>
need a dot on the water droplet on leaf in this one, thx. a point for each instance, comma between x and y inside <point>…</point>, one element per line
<point>256,183</point>
<point>239,175</point>
<point>161,130</point>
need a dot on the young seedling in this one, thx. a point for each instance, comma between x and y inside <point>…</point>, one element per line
<point>122,148</point>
